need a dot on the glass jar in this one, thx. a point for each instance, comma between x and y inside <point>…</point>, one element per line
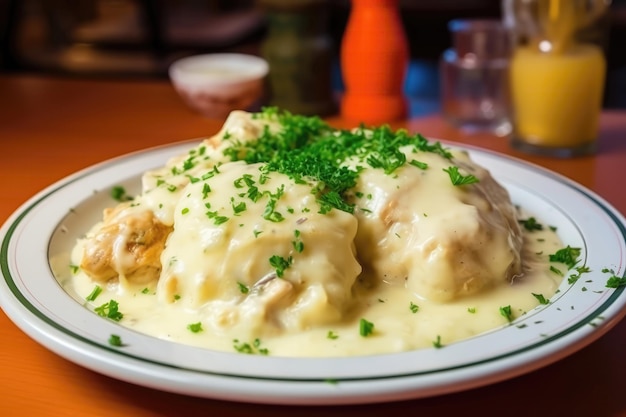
<point>299,51</point>
<point>475,76</point>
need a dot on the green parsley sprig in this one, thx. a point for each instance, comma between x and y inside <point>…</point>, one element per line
<point>250,348</point>
<point>366,328</point>
<point>110,310</point>
<point>614,281</point>
<point>568,256</point>
<point>307,149</point>
<point>118,193</point>
<point>458,179</point>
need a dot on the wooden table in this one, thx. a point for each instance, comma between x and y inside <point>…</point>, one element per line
<point>51,127</point>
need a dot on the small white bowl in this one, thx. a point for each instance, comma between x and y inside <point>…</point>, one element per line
<point>216,84</point>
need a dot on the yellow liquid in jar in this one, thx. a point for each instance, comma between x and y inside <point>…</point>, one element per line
<point>557,97</point>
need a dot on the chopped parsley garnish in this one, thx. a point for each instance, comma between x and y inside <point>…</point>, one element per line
<point>206,189</point>
<point>115,340</point>
<point>243,288</point>
<point>582,270</point>
<point>615,282</point>
<point>506,313</point>
<point>109,310</point>
<point>333,199</point>
<point>298,246</point>
<point>531,224</point>
<point>366,328</point>
<point>195,327</point>
<point>250,348</point>
<point>188,164</point>
<point>332,335</point>
<point>556,270</point>
<point>220,219</point>
<point>309,151</point>
<point>573,278</point>
<point>238,208</point>
<point>413,307</point>
<point>437,343</point>
<point>541,298</point>
<point>270,212</point>
<point>244,180</point>
<point>420,165</point>
<point>119,194</point>
<point>568,256</point>
<point>280,264</point>
<point>458,179</point>
<point>94,293</point>
<point>389,161</point>
<point>217,219</point>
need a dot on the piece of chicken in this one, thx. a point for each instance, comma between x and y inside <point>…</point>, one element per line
<point>230,257</point>
<point>440,241</point>
<point>126,244</point>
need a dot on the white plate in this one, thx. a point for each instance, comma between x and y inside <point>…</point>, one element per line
<point>49,223</point>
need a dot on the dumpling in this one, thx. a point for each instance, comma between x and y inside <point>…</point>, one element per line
<point>441,241</point>
<point>252,248</point>
<point>126,245</point>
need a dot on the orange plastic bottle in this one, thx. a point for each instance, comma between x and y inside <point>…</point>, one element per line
<point>374,61</point>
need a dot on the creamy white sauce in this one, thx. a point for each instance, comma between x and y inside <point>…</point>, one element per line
<point>396,327</point>
<point>422,261</point>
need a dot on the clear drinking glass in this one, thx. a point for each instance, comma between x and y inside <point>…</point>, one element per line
<point>557,74</point>
<point>475,76</point>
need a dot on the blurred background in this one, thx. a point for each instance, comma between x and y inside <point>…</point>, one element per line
<point>141,38</point>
